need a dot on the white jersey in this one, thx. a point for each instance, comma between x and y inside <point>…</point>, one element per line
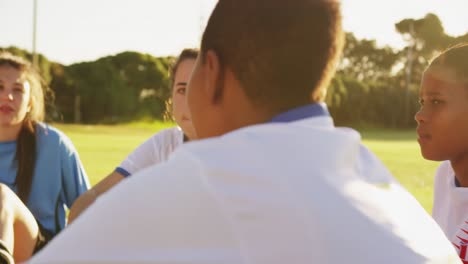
<point>299,192</point>
<point>153,151</point>
<point>451,208</point>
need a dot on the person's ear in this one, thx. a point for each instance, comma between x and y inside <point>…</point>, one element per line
<point>30,104</point>
<point>215,76</point>
<point>27,88</point>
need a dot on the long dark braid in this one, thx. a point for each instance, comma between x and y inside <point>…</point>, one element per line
<point>26,140</point>
<point>26,158</point>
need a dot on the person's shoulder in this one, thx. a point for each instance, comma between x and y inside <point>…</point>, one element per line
<point>168,133</point>
<point>263,136</point>
<point>445,166</point>
<point>372,169</point>
<point>242,143</point>
<point>48,134</point>
<point>209,148</point>
<point>444,170</point>
<point>168,136</point>
<point>173,132</point>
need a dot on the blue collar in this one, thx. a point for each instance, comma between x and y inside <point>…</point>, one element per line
<point>457,183</point>
<point>306,111</point>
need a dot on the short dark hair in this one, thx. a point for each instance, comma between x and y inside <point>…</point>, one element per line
<point>455,58</point>
<point>185,54</point>
<point>283,52</point>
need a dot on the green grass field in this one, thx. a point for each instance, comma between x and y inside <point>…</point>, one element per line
<point>102,148</point>
<point>399,151</point>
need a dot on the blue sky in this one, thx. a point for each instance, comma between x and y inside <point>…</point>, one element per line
<point>70,31</point>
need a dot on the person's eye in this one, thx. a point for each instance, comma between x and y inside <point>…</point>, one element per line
<point>421,101</point>
<point>181,90</point>
<point>18,89</point>
<point>436,102</point>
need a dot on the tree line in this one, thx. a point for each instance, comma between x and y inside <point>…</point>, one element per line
<point>379,86</point>
<point>117,88</point>
<point>374,85</point>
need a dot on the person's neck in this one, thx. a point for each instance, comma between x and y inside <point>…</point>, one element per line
<point>460,167</point>
<point>248,115</point>
<point>9,132</point>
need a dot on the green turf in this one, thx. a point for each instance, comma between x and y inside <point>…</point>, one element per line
<point>102,148</point>
<point>399,151</point>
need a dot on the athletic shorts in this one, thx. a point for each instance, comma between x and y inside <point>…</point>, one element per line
<point>5,256</point>
<point>43,238</point>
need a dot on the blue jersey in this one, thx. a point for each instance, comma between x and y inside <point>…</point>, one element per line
<point>59,177</point>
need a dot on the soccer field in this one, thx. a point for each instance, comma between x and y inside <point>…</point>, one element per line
<point>399,151</point>
<point>102,148</point>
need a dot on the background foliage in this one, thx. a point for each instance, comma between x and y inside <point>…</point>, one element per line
<point>376,86</point>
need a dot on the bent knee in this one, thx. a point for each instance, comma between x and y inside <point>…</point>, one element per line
<point>5,192</point>
<point>12,208</point>
<point>7,197</point>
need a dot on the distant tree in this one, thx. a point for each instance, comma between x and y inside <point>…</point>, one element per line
<point>43,62</point>
<point>364,61</point>
<point>426,34</point>
<point>110,89</point>
<point>118,88</point>
<point>63,84</point>
<point>373,85</point>
<point>425,37</point>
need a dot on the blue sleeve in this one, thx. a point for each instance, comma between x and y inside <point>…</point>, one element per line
<point>123,172</point>
<point>74,179</point>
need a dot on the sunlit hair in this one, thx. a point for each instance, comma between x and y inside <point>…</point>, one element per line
<point>456,59</point>
<point>191,54</point>
<point>283,52</point>
<point>26,141</point>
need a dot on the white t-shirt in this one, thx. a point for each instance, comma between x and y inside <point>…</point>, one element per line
<point>153,151</point>
<point>451,208</point>
<point>299,192</point>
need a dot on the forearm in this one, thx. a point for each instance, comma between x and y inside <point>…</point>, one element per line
<point>88,198</point>
<point>107,183</point>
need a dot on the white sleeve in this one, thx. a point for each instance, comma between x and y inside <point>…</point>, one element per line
<point>153,151</point>
<point>372,169</point>
<point>161,216</point>
<point>442,200</point>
